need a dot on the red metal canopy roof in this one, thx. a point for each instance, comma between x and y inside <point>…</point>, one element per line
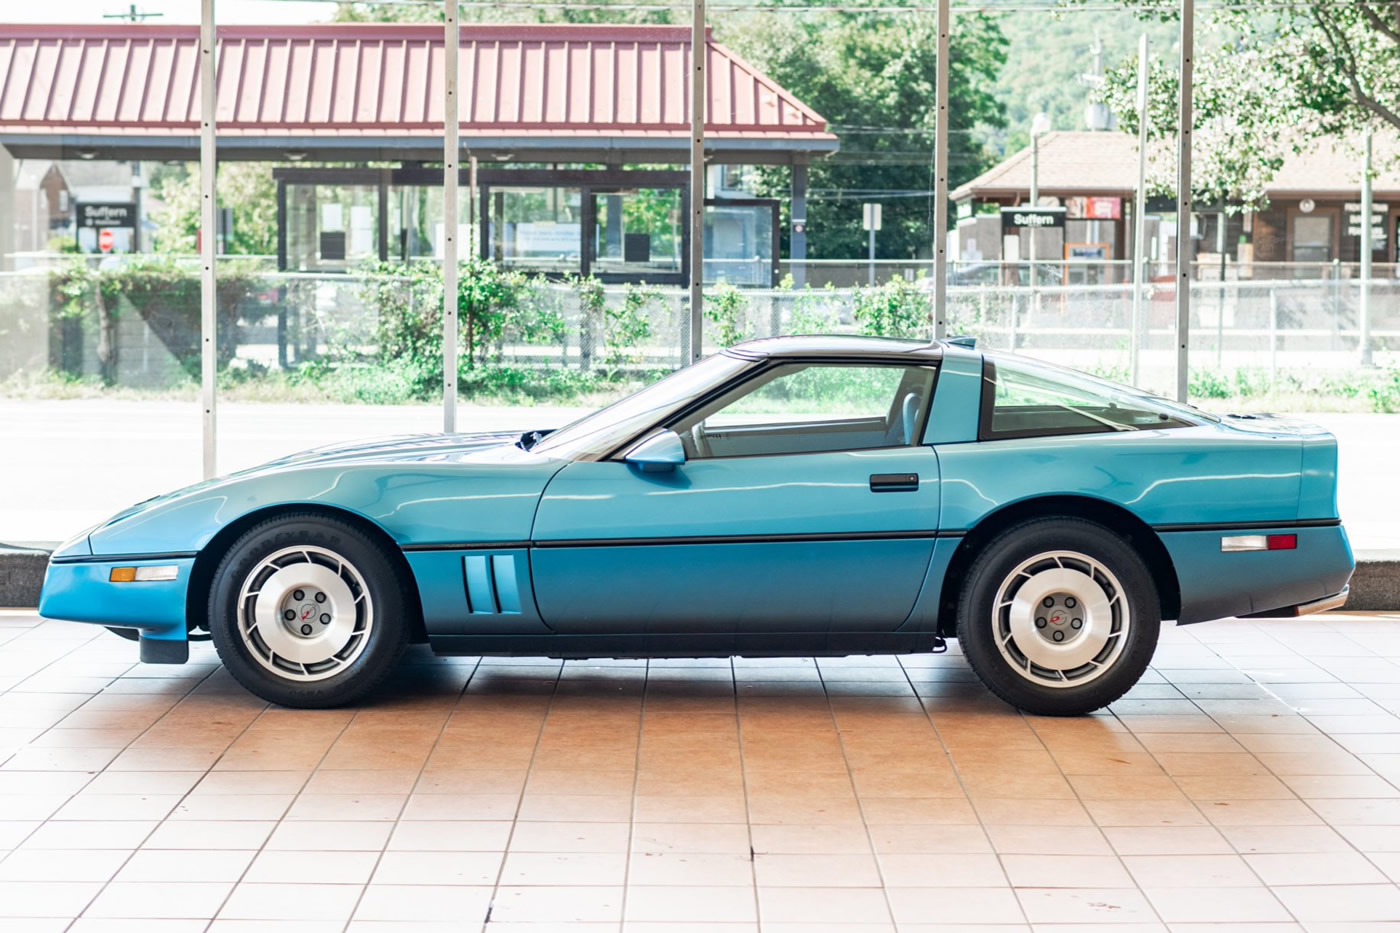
<point>366,80</point>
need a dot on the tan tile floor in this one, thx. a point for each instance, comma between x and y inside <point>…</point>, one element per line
<point>1249,784</point>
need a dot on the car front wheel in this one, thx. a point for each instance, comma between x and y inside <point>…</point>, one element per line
<point>307,611</point>
<point>1059,616</point>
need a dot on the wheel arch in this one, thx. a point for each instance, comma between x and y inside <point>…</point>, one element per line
<point>1111,515</point>
<point>207,561</point>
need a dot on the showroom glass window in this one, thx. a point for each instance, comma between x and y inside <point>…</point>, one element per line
<point>812,408</point>
<point>1023,398</point>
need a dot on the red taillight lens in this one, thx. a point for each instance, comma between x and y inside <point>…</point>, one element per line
<point>1283,542</point>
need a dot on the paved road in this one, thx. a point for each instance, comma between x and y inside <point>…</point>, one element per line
<point>65,465</point>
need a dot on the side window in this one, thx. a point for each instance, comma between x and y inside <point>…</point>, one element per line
<point>1022,399</point>
<point>811,408</point>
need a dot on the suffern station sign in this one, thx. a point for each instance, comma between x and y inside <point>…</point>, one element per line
<point>1018,218</point>
<point>107,215</point>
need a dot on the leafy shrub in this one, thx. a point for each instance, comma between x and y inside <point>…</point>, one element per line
<point>627,325</point>
<point>897,308</point>
<point>726,308</point>
<point>1385,393</point>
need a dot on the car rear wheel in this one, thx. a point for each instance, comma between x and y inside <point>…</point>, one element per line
<point>307,611</point>
<point>1059,617</point>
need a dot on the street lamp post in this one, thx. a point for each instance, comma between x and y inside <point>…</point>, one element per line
<point>1039,126</point>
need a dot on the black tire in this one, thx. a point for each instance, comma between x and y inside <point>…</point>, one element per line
<point>983,629</point>
<point>130,634</point>
<point>368,657</point>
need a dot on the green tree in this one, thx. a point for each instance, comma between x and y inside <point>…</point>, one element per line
<point>1268,83</point>
<point>246,187</point>
<point>872,76</point>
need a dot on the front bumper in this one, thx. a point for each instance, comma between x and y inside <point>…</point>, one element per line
<point>81,591</point>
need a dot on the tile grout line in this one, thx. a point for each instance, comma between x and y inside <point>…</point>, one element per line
<point>850,776</point>
<point>158,823</point>
<point>1059,768</point>
<point>262,847</point>
<point>364,889</point>
<point>744,781</point>
<point>962,785</point>
<point>1301,799</point>
<point>1196,804</point>
<point>520,799</point>
<point>632,814</point>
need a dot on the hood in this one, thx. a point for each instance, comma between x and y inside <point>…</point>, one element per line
<point>399,448</point>
<point>404,448</point>
<point>420,489</point>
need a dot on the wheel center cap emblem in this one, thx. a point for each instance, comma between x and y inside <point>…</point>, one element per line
<point>307,611</point>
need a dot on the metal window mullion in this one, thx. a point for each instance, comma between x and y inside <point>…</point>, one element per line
<point>699,84</point>
<point>1139,220</point>
<point>208,208</point>
<point>450,154</point>
<point>1183,203</point>
<point>940,183</point>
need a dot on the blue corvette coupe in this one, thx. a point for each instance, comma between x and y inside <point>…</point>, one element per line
<point>792,496</point>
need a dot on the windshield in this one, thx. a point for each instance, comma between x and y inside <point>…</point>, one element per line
<point>596,434</point>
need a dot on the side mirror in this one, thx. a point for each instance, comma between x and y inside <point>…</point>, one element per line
<point>660,453</point>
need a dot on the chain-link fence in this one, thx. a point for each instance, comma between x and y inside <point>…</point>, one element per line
<point>342,329</point>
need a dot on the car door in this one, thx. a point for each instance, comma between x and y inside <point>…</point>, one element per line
<point>805,504</point>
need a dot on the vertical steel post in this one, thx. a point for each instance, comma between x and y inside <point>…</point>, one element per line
<point>940,180</point>
<point>208,211</point>
<point>1363,309</point>
<point>450,152</point>
<point>1139,220</point>
<point>871,251</point>
<point>699,87</point>
<point>797,244</point>
<point>1183,202</point>
<point>1035,202</point>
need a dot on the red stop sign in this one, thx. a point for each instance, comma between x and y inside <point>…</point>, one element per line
<point>106,240</point>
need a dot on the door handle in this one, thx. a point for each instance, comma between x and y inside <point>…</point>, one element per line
<point>894,482</point>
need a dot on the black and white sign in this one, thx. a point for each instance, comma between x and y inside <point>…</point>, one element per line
<point>101,215</point>
<point>1031,218</point>
<point>1378,214</point>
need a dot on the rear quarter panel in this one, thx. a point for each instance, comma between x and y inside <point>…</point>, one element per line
<point>1206,474</point>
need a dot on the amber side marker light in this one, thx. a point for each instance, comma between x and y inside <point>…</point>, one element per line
<point>1233,543</point>
<point>143,574</point>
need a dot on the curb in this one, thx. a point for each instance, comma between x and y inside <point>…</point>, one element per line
<point>21,575</point>
<point>1375,587</point>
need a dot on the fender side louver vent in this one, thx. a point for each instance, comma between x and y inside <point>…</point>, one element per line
<point>491,584</point>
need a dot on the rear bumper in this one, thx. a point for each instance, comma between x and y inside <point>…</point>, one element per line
<point>1218,585</point>
<point>1327,603</point>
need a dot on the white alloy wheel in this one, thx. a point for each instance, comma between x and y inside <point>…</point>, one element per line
<point>1061,619</point>
<point>305,613</point>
